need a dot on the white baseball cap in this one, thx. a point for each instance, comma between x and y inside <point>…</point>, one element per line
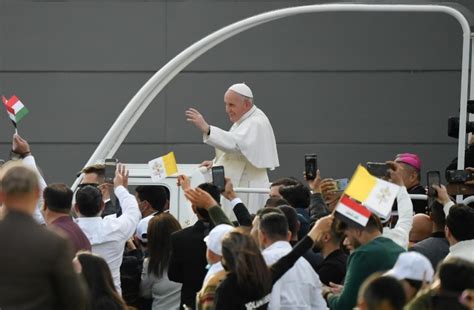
<point>242,89</point>
<point>412,266</point>
<point>142,228</point>
<point>214,239</point>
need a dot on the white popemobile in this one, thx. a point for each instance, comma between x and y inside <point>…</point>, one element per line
<point>140,173</point>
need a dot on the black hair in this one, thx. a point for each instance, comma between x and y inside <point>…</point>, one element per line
<point>285,182</point>
<point>263,211</point>
<point>373,224</point>
<point>378,290</point>
<point>58,198</point>
<point>212,190</point>
<point>298,196</point>
<point>89,200</point>
<point>460,222</point>
<point>215,193</point>
<point>456,275</point>
<point>275,202</point>
<point>274,225</point>
<point>437,215</point>
<point>243,259</point>
<point>291,217</point>
<point>98,277</point>
<point>156,195</point>
<point>416,284</point>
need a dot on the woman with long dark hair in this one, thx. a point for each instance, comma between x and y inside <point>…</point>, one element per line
<point>166,294</point>
<point>249,281</point>
<point>102,292</point>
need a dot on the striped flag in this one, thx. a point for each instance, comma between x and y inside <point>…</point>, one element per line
<point>163,167</point>
<point>351,211</point>
<point>15,108</point>
<point>375,194</point>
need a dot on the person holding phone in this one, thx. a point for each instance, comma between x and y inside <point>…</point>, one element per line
<point>411,164</point>
<point>247,150</point>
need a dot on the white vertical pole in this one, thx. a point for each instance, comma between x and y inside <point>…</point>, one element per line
<point>466,54</point>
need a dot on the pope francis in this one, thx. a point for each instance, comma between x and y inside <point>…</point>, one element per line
<point>247,150</point>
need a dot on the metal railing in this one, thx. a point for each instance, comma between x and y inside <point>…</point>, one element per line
<point>248,190</point>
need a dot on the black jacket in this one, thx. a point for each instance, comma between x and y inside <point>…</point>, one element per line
<point>36,267</point>
<point>188,260</point>
<point>419,206</point>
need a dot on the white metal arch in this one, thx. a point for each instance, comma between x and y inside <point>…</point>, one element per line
<point>138,104</point>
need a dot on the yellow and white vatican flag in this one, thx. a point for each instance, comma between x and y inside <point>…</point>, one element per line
<point>163,167</point>
<point>375,194</point>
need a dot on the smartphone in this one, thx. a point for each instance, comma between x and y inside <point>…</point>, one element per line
<point>459,176</point>
<point>218,177</point>
<point>433,178</point>
<point>379,170</point>
<point>341,184</point>
<point>311,166</point>
<point>110,167</point>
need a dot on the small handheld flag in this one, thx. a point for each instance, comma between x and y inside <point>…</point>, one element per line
<point>163,167</point>
<point>15,109</point>
<point>365,195</point>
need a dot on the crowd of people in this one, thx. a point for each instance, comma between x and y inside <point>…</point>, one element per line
<point>105,248</point>
<point>102,247</point>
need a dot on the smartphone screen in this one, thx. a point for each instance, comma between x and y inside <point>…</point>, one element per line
<point>218,177</point>
<point>341,184</point>
<point>311,166</point>
<point>433,178</point>
<point>379,170</point>
<point>110,167</point>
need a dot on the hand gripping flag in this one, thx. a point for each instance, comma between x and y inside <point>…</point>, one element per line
<point>15,109</point>
<point>367,193</point>
<point>163,167</point>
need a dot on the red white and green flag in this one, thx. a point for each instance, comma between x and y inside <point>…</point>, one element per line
<point>15,109</point>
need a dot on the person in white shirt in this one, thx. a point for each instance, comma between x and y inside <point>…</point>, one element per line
<point>95,175</point>
<point>152,200</point>
<point>459,229</point>
<point>299,287</point>
<point>21,150</point>
<point>400,233</point>
<point>247,150</point>
<point>108,235</point>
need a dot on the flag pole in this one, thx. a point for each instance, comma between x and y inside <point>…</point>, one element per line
<point>14,125</point>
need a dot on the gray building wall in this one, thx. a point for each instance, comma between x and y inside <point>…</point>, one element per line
<point>349,87</point>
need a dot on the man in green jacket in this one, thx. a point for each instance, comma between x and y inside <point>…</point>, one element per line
<point>373,253</point>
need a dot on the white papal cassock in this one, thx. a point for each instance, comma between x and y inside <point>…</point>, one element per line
<point>246,151</point>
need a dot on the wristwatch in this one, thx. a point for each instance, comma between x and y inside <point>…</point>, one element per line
<point>16,156</point>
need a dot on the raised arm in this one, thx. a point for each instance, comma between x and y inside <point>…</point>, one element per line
<point>286,262</point>
<point>223,140</point>
<point>21,147</point>
<point>317,207</point>
<point>443,198</point>
<point>202,199</point>
<point>240,210</point>
<point>131,215</point>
